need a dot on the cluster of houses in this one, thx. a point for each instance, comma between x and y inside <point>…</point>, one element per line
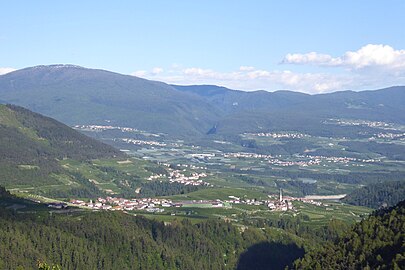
<point>183,166</point>
<point>102,128</point>
<point>390,136</point>
<point>300,163</point>
<point>191,166</point>
<point>343,160</point>
<point>246,155</point>
<point>178,176</point>
<point>374,124</point>
<point>146,204</point>
<point>238,200</point>
<point>155,205</point>
<point>142,142</point>
<point>282,203</point>
<point>202,156</point>
<point>306,160</point>
<point>194,179</point>
<point>291,135</point>
<point>121,204</point>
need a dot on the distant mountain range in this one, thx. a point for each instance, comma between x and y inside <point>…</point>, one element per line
<point>77,95</point>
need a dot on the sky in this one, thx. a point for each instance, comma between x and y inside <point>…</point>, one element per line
<point>309,46</point>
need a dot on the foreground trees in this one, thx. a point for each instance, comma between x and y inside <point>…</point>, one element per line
<point>377,242</point>
<point>112,240</point>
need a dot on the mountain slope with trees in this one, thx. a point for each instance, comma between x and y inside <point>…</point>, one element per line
<point>31,146</point>
<point>77,95</point>
<point>378,195</point>
<point>377,242</point>
<point>114,240</point>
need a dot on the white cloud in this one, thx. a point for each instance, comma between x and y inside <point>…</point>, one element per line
<point>369,56</point>
<point>5,70</point>
<point>140,73</point>
<point>370,67</point>
<point>255,74</point>
<point>311,58</point>
<point>146,74</point>
<point>198,72</point>
<point>375,55</point>
<point>250,79</point>
<point>157,70</point>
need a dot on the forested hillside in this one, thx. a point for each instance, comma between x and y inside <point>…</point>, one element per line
<point>31,146</point>
<point>43,156</point>
<point>377,195</point>
<point>377,242</point>
<point>112,240</point>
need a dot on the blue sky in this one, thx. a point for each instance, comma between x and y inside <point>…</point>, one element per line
<point>308,46</point>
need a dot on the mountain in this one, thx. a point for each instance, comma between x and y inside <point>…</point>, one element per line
<point>287,110</point>
<point>232,101</point>
<point>32,146</point>
<point>77,95</point>
<point>375,243</point>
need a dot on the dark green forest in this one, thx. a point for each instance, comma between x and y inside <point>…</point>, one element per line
<point>377,195</point>
<point>113,240</point>
<point>377,242</point>
<point>32,144</point>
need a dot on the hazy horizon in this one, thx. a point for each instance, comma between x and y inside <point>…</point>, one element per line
<point>310,47</point>
<point>201,84</point>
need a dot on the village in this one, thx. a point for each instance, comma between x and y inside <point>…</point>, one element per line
<point>154,205</point>
<point>142,142</point>
<point>178,176</point>
<point>306,160</point>
<point>102,128</point>
<point>288,135</point>
<point>274,203</point>
<point>374,124</point>
<point>157,205</point>
<point>390,136</point>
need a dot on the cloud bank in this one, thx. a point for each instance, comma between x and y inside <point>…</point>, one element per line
<point>369,56</point>
<point>370,67</point>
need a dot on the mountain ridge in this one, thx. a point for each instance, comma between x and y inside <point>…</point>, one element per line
<point>93,93</point>
<point>78,95</point>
